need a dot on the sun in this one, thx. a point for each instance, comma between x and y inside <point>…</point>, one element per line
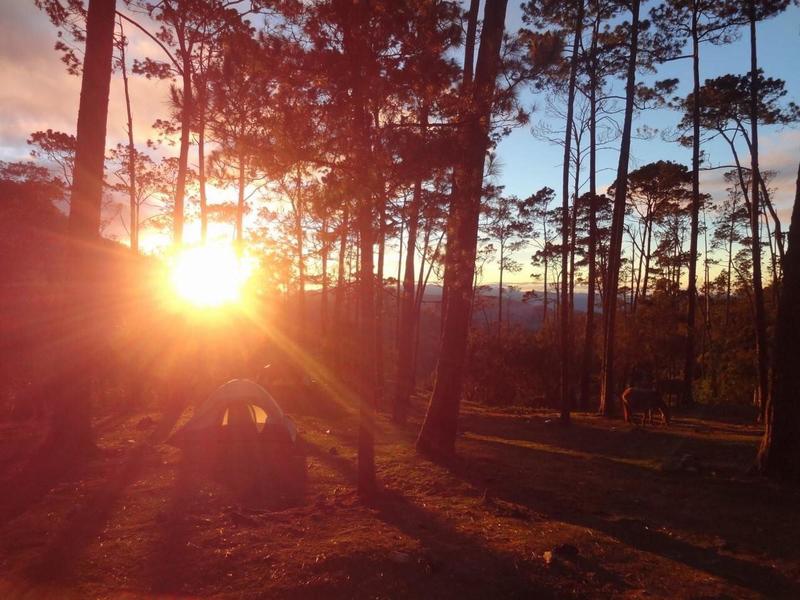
<point>209,276</point>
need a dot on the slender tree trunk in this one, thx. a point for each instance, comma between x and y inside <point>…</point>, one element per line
<point>338,307</point>
<point>573,238</point>
<point>691,292</point>
<point>469,42</point>
<point>637,270</point>
<point>367,383</point>
<point>500,291</point>
<point>408,324</point>
<point>776,221</point>
<point>80,330</point>
<point>438,432</point>
<point>565,337</point>
<point>466,90</point>
<point>558,294</point>
<point>779,455</point>
<point>201,163</point>
<point>299,215</point>
<point>132,194</point>
<point>630,294</point>
<point>731,231</point>
<point>324,251</point>
<point>240,204</point>
<point>611,288</point>
<point>421,287</point>
<point>379,366</point>
<point>773,258</point>
<point>587,363</point>
<point>706,278</point>
<point>648,251</point>
<point>419,296</point>
<point>545,299</point>
<point>357,50</point>
<point>183,153</point>
<point>755,243</point>
<point>398,295</point>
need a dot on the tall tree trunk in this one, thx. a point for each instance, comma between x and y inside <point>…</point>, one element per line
<point>779,455</point>
<point>691,292</point>
<point>324,251</point>
<point>379,365</point>
<point>356,49</point>
<point>500,291</point>
<point>132,194</point>
<point>366,377</point>
<point>587,362</point>
<point>466,90</point>
<point>469,42</point>
<point>731,231</point>
<point>565,338</point>
<point>610,290</point>
<point>338,307</point>
<point>546,298</point>
<point>648,251</point>
<point>639,272</point>
<point>438,433</point>
<point>79,329</point>
<point>201,163</point>
<point>240,204</point>
<point>183,153</point>
<point>420,295</point>
<point>299,214</point>
<point>398,294</point>
<point>776,221</point>
<point>573,238</point>
<point>408,324</point>
<point>755,243</point>
<point>773,258</point>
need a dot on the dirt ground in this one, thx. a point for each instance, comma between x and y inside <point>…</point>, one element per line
<point>529,509</point>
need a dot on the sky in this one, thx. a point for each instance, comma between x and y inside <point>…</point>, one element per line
<point>37,93</point>
<point>528,163</point>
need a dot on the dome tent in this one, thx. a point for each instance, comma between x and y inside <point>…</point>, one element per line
<point>239,404</point>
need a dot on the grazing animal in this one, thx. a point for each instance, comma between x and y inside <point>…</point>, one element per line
<point>644,400</point>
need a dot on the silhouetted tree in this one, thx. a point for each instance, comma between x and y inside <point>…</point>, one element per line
<point>438,432</point>
<point>615,245</point>
<point>779,455</point>
<point>72,417</point>
<point>697,21</point>
<point>505,223</point>
<point>56,147</point>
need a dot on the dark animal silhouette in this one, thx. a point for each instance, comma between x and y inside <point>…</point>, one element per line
<point>646,401</point>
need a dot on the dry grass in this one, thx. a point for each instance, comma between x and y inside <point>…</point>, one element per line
<point>503,520</point>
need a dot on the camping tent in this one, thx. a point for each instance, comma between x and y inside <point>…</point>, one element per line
<point>238,405</point>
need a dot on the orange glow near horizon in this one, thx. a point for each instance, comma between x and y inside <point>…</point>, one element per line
<point>209,276</point>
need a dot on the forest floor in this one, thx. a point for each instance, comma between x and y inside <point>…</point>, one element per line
<point>529,509</point>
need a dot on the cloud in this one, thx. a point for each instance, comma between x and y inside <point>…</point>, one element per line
<point>37,92</point>
<point>779,152</point>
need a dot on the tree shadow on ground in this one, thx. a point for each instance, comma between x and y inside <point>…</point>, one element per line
<point>310,399</point>
<point>86,521</point>
<point>60,556</point>
<point>593,493</point>
<point>173,560</point>
<point>617,441</point>
<point>451,562</point>
<point>215,478</point>
<point>36,476</point>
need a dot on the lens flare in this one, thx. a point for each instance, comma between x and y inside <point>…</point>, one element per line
<point>209,276</point>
